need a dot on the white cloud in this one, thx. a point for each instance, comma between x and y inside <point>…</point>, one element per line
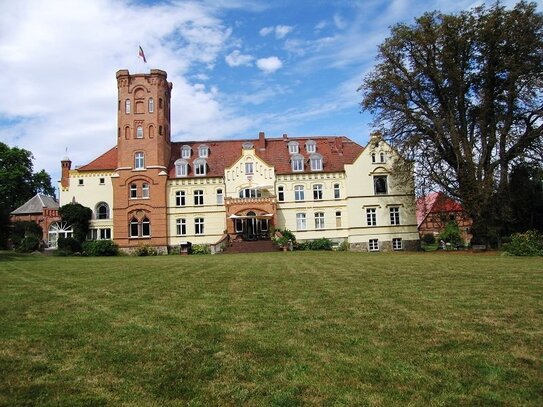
<point>339,22</point>
<point>269,65</point>
<point>236,58</point>
<point>266,30</point>
<point>280,31</point>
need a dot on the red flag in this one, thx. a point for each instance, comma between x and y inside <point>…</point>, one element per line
<point>141,54</point>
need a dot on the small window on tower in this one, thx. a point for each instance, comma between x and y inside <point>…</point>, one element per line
<point>127,106</point>
<point>151,105</point>
<point>139,132</point>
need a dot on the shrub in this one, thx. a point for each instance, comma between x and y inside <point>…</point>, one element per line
<point>68,245</point>
<point>529,243</point>
<point>145,250</point>
<point>28,244</point>
<point>22,229</point>
<point>451,234</point>
<point>320,244</point>
<point>343,246</point>
<point>100,248</point>
<point>429,238</point>
<point>200,249</point>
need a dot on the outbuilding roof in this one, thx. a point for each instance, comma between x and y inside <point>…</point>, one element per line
<point>36,204</point>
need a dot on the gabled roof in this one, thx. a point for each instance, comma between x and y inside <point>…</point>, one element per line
<point>36,204</point>
<point>335,152</point>
<point>436,202</point>
<point>106,162</point>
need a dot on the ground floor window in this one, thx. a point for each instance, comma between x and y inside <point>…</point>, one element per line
<point>199,226</point>
<point>58,230</point>
<point>397,243</point>
<point>99,234</point>
<point>319,220</point>
<point>140,228</point>
<point>373,245</point>
<point>300,221</point>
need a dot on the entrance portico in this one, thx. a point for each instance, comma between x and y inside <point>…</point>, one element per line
<point>250,218</point>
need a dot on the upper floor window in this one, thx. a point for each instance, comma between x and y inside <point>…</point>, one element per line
<point>281,193</point>
<point>249,168</point>
<point>311,146</point>
<point>319,220</point>
<point>394,215</point>
<point>151,105</point>
<point>160,103</point>
<point>127,106</point>
<point>380,184</point>
<point>139,160</point>
<point>316,162</point>
<point>293,147</point>
<point>300,221</point>
<point>337,191</point>
<point>382,157</point>
<point>299,193</point>
<point>102,181</point>
<point>198,197</point>
<point>102,211</point>
<point>220,198</point>
<point>371,216</point>
<point>186,152</point>
<point>145,190</point>
<point>250,193</point>
<point>181,168</point>
<point>139,132</point>
<point>317,192</point>
<point>203,150</point>
<point>180,198</point>
<point>200,166</point>
<point>133,191</point>
<point>297,163</point>
<point>373,159</point>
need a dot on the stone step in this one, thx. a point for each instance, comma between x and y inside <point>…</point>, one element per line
<point>257,246</point>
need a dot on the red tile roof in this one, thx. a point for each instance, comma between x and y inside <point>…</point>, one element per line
<point>107,161</point>
<point>335,151</point>
<point>436,202</point>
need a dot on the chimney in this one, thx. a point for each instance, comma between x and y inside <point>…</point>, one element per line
<point>285,136</point>
<point>66,165</point>
<point>261,141</point>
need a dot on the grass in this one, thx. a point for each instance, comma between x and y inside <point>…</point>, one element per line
<point>274,329</point>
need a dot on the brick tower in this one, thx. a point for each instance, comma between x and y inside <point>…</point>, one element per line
<point>143,144</point>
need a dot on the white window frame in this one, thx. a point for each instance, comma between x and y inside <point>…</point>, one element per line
<point>297,163</point>
<point>311,146</point>
<point>199,226</point>
<point>316,162</point>
<point>181,168</point>
<point>397,243</point>
<point>180,198</point>
<point>319,220</point>
<point>133,191</point>
<point>203,151</point>
<point>301,221</point>
<point>145,221</point>
<point>127,106</point>
<point>139,132</point>
<point>200,167</point>
<point>198,197</point>
<point>337,191</point>
<point>186,151</point>
<point>249,168</point>
<point>371,216</point>
<point>293,147</point>
<point>317,192</point>
<point>151,105</point>
<point>373,245</point>
<point>102,205</point>
<point>394,215</point>
<point>139,160</point>
<point>220,196</point>
<point>181,226</point>
<point>280,193</point>
<point>145,190</point>
<point>299,193</point>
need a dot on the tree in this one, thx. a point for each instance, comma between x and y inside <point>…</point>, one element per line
<point>18,183</point>
<point>526,198</point>
<point>460,96</point>
<point>77,216</point>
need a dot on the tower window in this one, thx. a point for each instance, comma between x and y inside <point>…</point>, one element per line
<point>139,160</point>
<point>371,216</point>
<point>139,132</point>
<point>145,190</point>
<point>133,191</point>
<point>127,106</point>
<point>151,105</point>
<point>220,199</point>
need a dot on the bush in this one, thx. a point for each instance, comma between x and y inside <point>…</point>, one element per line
<point>429,238</point>
<point>200,249</point>
<point>343,246</point>
<point>320,244</point>
<point>28,244</point>
<point>22,229</point>
<point>529,243</point>
<point>451,234</point>
<point>100,248</point>
<point>145,250</point>
<point>68,245</point>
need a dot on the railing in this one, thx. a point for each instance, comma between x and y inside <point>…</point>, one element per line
<point>237,201</point>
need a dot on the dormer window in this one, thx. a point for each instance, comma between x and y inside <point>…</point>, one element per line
<point>200,167</point>
<point>297,163</point>
<point>181,168</point>
<point>203,151</point>
<point>293,147</point>
<point>139,160</point>
<point>311,146</point>
<point>316,162</point>
<point>247,146</point>
<point>186,152</point>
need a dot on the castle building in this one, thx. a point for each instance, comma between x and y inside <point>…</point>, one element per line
<point>150,190</point>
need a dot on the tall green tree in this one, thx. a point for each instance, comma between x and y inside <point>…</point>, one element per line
<point>18,183</point>
<point>461,96</point>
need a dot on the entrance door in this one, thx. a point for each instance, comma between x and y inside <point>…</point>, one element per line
<point>251,227</point>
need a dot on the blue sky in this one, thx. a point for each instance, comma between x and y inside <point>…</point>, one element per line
<point>238,67</point>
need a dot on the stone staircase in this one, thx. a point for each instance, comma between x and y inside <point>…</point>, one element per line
<point>256,246</point>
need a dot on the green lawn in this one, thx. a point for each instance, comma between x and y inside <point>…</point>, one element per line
<point>302,328</point>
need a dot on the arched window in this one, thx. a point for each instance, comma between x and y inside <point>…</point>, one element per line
<point>151,105</point>
<point>151,131</point>
<point>145,227</point>
<point>127,106</point>
<point>102,211</point>
<point>134,227</point>
<point>297,163</point>
<point>311,146</point>
<point>373,158</point>
<point>200,167</point>
<point>186,151</point>
<point>316,162</point>
<point>293,147</point>
<point>382,157</point>
<point>139,160</point>
<point>181,168</point>
<point>203,150</point>
<point>139,132</point>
